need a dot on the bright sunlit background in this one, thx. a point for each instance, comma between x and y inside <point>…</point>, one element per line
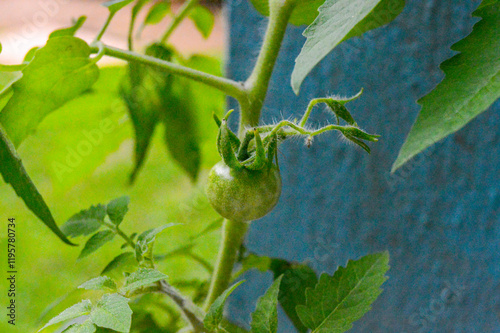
<point>48,272</point>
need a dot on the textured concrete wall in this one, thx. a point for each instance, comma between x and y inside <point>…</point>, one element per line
<point>438,216</point>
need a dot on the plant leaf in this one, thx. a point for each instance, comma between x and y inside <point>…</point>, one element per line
<point>85,222</point>
<point>86,327</point>
<point>339,300</point>
<point>125,259</point>
<point>471,85</point>
<point>95,242</point>
<point>214,316</point>
<point>112,311</point>
<point>265,317</point>
<point>203,19</point>
<point>142,278</point>
<point>337,21</point>
<point>304,13</point>
<point>157,13</point>
<point>13,173</point>
<point>154,96</point>
<point>117,209</point>
<point>116,5</point>
<point>60,71</point>
<point>71,30</point>
<point>296,279</point>
<point>79,147</point>
<point>99,283</point>
<point>75,311</point>
<point>181,134</point>
<point>145,242</point>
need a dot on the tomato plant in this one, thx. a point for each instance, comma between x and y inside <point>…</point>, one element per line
<point>161,88</point>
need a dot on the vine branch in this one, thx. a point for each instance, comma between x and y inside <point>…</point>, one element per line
<point>228,86</point>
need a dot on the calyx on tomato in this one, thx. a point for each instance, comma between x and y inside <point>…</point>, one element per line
<point>246,184</point>
<point>252,153</point>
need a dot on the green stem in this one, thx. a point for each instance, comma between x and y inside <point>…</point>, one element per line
<point>311,105</point>
<point>120,233</point>
<point>258,83</point>
<point>183,12</point>
<point>103,30</point>
<point>190,311</point>
<point>233,234</point>
<point>230,87</point>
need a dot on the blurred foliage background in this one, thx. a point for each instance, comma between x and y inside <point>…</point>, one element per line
<point>48,272</point>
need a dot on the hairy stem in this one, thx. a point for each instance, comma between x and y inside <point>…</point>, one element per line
<point>233,234</point>
<point>183,12</point>
<point>251,101</point>
<point>189,310</point>
<point>258,83</point>
<point>311,105</point>
<point>230,87</point>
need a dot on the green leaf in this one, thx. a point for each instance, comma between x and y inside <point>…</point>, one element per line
<point>262,263</point>
<point>124,260</point>
<point>157,13</point>
<point>117,209</point>
<point>203,19</point>
<point>471,86</point>
<point>7,79</point>
<point>13,173</point>
<point>178,117</point>
<point>31,54</point>
<point>213,319</point>
<point>304,13</point>
<point>60,71</point>
<point>155,97</point>
<point>82,133</point>
<point>141,95</point>
<point>296,279</point>
<point>113,312</point>
<point>116,5</point>
<point>86,327</point>
<point>339,20</point>
<point>85,222</point>
<point>142,278</point>
<point>75,311</point>
<point>265,317</point>
<point>95,242</point>
<point>145,242</point>
<point>71,30</point>
<point>339,300</point>
<point>99,283</point>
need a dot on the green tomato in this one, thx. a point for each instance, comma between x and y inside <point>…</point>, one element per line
<point>243,195</point>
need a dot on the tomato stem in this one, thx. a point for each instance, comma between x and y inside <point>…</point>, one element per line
<point>257,84</point>
<point>233,234</point>
<point>228,86</point>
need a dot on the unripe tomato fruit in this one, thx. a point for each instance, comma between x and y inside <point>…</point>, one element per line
<point>243,195</point>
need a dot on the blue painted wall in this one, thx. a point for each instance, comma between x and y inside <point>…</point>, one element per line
<point>438,216</point>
